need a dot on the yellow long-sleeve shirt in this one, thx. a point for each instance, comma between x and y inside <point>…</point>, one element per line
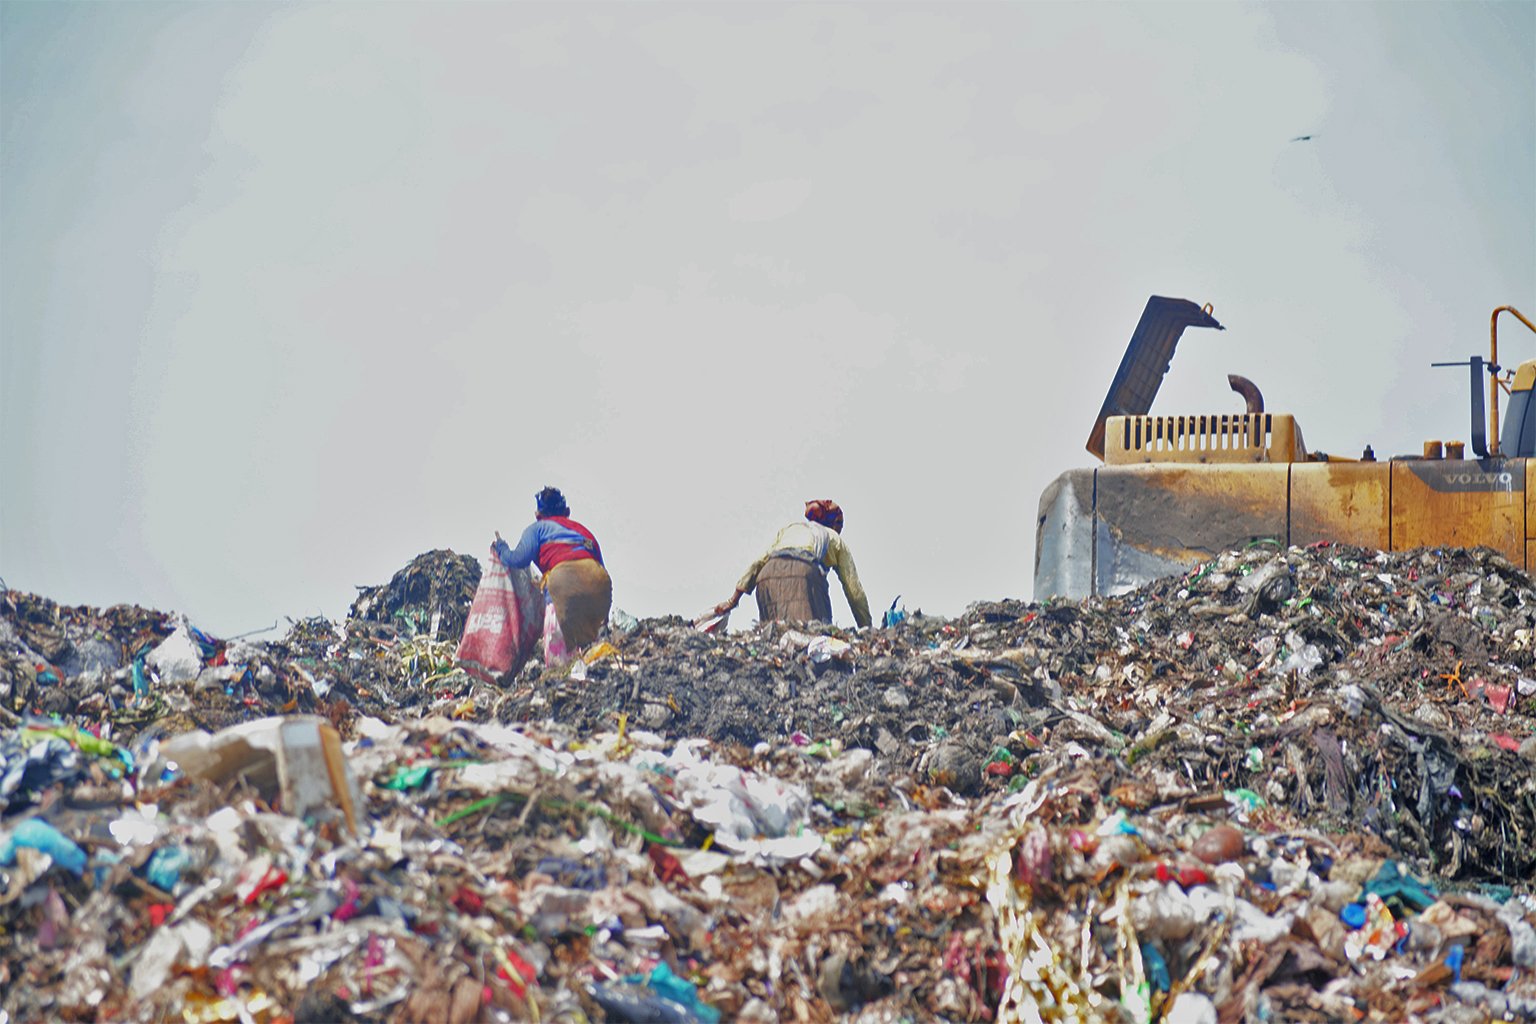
<point>823,547</point>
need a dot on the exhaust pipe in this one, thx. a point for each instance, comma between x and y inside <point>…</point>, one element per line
<point>1250,392</point>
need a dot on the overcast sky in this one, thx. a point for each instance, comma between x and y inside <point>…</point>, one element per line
<point>290,294</point>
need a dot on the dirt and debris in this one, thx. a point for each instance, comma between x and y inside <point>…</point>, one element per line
<point>1292,785</point>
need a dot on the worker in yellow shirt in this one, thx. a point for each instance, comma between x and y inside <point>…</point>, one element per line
<point>791,576</point>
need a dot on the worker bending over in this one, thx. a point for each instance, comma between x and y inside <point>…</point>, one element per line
<point>791,576</point>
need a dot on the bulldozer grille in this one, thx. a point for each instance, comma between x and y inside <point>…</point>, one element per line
<point>1226,437</point>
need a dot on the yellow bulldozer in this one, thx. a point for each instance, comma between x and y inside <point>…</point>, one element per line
<point>1176,490</point>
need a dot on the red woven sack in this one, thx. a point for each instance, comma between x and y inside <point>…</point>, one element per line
<point>504,624</point>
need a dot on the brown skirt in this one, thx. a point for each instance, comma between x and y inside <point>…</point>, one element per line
<point>792,590</point>
<point>582,593</point>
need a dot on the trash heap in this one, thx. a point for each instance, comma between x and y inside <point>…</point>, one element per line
<point>1294,785</point>
<point>431,595</point>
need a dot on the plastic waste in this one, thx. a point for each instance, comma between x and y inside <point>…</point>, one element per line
<point>709,622</point>
<point>188,942</point>
<point>1354,700</point>
<point>684,993</point>
<point>178,659</point>
<point>555,652</point>
<point>140,677</point>
<point>409,776</point>
<point>823,649</point>
<point>573,874</point>
<point>1453,960</point>
<point>1379,933</point>
<point>37,834</point>
<point>86,742</point>
<point>1252,924</point>
<point>1304,658</point>
<point>26,768</point>
<point>1522,935</point>
<point>598,651</point>
<point>165,866</point>
<point>93,655</point>
<point>1156,968</point>
<point>1191,1008</point>
<point>622,623</point>
<point>1399,890</point>
<point>635,1005</point>
<point>749,813</point>
<point>1499,1005</point>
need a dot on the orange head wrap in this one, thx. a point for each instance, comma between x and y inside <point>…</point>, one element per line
<point>826,513</point>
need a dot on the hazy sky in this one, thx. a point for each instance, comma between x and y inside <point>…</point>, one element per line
<point>290,294</point>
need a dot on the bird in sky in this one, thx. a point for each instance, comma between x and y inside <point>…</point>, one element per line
<point>1302,138</point>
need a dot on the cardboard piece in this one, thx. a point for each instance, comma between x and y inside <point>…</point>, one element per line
<point>295,762</point>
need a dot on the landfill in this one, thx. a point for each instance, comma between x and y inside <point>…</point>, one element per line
<point>1291,785</point>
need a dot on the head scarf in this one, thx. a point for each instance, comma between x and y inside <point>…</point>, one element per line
<point>826,513</point>
<point>550,502</point>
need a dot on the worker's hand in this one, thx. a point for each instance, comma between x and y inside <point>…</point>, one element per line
<point>725,606</point>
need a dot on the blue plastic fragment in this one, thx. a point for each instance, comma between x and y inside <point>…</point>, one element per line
<point>678,991</point>
<point>103,865</point>
<point>1156,967</point>
<point>165,866</point>
<point>1353,915</point>
<point>1453,960</point>
<point>37,834</point>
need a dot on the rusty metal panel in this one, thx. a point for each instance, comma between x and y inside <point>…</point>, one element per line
<point>1460,503</point>
<point>1530,555</point>
<point>1064,537</point>
<point>1146,360</point>
<point>1158,519</point>
<point>1343,502</point>
<point>1530,505</point>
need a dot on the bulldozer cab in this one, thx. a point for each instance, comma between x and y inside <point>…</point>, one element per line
<point>1520,419</point>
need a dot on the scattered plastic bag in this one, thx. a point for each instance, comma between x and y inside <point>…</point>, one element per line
<point>823,649</point>
<point>37,834</point>
<point>555,652</point>
<point>709,622</point>
<point>179,658</point>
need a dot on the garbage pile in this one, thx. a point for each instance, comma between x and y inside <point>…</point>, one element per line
<point>1294,785</point>
<point>431,595</point>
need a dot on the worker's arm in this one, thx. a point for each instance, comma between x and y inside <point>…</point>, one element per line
<point>515,558</point>
<point>729,603</point>
<point>848,576</point>
<point>744,586</point>
<point>748,581</point>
